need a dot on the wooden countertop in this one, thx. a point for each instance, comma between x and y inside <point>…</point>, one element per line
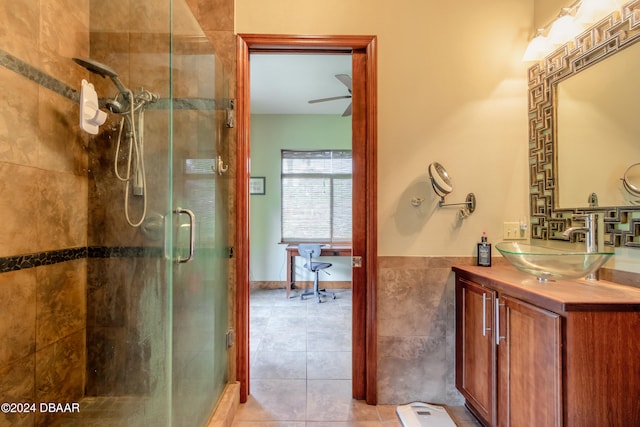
<point>559,296</point>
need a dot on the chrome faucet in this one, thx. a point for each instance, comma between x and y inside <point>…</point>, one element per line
<point>590,230</point>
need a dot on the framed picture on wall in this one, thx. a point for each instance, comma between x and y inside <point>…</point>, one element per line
<point>257,185</point>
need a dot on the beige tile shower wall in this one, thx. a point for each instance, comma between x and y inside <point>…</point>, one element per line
<point>133,38</point>
<point>43,200</point>
<point>42,329</point>
<point>416,330</point>
<point>126,317</point>
<point>43,161</point>
<point>107,223</point>
<point>216,18</point>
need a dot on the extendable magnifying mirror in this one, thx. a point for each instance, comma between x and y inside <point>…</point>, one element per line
<point>441,183</point>
<point>440,180</point>
<point>631,179</point>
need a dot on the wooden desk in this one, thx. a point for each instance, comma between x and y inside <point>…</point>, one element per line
<point>339,249</point>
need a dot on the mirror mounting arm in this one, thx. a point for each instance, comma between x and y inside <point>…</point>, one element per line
<point>470,204</point>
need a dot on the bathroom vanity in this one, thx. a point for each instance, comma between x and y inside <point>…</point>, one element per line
<point>563,353</point>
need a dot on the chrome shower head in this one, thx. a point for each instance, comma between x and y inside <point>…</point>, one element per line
<point>102,70</point>
<point>96,67</point>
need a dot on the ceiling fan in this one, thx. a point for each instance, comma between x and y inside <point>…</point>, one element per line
<point>346,80</point>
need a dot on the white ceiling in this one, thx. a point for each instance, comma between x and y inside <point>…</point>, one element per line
<point>284,83</point>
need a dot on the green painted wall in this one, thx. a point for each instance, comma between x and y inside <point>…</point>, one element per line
<point>269,135</point>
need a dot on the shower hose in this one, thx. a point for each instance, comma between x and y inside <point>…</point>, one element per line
<point>136,149</point>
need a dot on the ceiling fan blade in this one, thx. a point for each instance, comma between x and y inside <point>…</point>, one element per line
<point>347,112</point>
<point>333,98</point>
<point>345,79</point>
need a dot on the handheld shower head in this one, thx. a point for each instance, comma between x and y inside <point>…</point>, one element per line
<point>96,67</point>
<point>102,70</point>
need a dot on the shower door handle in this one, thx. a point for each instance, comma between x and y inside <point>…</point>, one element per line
<point>192,234</point>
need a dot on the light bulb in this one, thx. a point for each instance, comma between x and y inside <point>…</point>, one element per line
<point>564,29</point>
<point>537,49</point>
<point>591,11</point>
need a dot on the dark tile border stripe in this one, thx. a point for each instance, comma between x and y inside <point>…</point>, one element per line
<point>26,70</point>
<point>123,252</point>
<point>23,262</point>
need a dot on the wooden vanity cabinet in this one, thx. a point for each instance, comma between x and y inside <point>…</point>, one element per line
<point>475,351</point>
<point>556,354</point>
<point>530,371</point>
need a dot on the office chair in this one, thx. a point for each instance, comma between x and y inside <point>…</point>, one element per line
<point>309,251</point>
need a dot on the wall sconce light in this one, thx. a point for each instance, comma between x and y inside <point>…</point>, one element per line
<point>591,11</point>
<point>567,26</point>
<point>538,47</point>
<point>564,28</point>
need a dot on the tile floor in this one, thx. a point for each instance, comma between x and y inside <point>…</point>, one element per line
<point>301,367</point>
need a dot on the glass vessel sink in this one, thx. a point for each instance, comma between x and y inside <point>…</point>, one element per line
<point>550,263</point>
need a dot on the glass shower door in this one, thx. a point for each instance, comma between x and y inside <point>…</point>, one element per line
<point>155,334</point>
<point>200,230</point>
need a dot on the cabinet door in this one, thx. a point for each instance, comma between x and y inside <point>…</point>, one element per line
<point>530,365</point>
<point>475,348</point>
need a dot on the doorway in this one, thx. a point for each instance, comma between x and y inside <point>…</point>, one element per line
<point>364,243</point>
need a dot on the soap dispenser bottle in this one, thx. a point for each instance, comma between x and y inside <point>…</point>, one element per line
<point>484,251</point>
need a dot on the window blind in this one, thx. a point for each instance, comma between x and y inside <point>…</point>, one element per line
<point>316,195</point>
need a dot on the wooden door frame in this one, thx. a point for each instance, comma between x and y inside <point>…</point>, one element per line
<point>364,146</point>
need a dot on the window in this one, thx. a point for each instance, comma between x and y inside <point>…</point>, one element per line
<point>316,196</point>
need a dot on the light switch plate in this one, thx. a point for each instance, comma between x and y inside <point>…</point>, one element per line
<point>512,231</point>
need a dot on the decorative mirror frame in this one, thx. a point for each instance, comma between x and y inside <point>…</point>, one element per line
<point>606,38</point>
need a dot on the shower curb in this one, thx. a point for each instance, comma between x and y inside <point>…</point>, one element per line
<point>227,406</point>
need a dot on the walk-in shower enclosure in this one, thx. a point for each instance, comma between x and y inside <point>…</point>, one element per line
<point>113,324</point>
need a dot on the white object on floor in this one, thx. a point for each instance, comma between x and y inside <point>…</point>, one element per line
<point>419,414</point>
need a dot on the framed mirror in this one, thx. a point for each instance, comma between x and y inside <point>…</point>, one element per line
<point>583,131</point>
<point>598,132</point>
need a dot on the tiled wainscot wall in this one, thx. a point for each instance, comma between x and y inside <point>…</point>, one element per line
<point>416,329</point>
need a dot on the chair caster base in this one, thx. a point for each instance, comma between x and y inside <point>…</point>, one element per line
<point>318,294</point>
